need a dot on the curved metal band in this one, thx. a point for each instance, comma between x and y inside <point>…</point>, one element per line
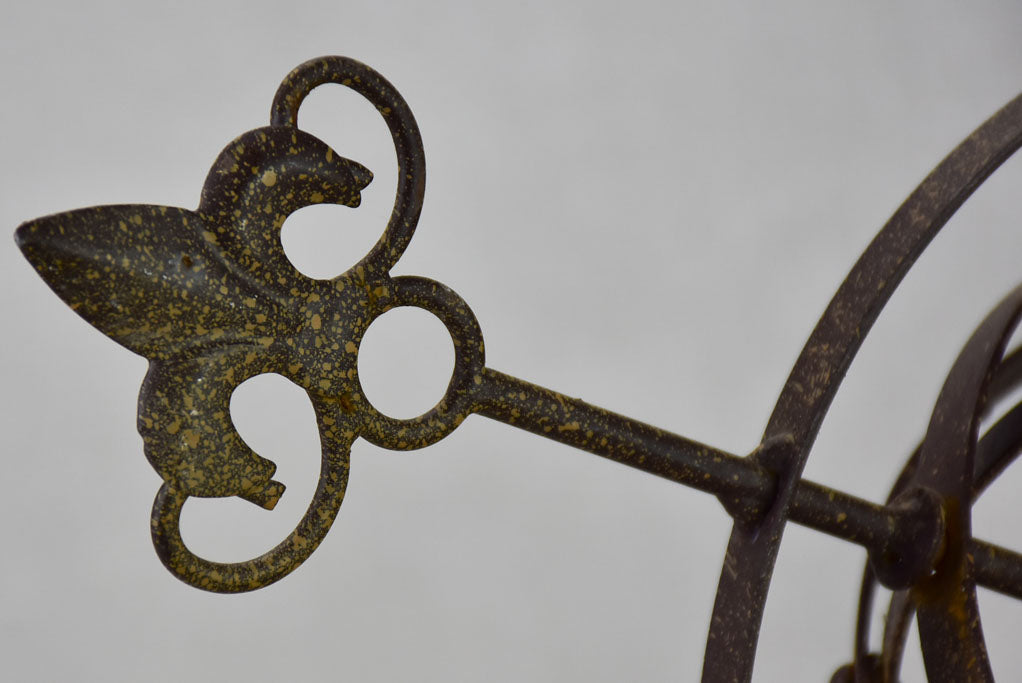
<point>998,448</point>
<point>459,401</point>
<point>238,577</point>
<point>411,160</point>
<point>948,614</point>
<point>752,552</point>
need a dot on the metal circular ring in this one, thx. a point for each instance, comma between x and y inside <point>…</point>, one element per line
<point>469,359</point>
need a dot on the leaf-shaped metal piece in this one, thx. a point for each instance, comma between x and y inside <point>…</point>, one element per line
<point>146,277</point>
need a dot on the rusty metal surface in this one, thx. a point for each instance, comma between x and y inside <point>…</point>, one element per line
<point>209,297</point>
<point>998,448</point>
<point>804,400</point>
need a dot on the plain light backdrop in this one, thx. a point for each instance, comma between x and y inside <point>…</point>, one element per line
<point>647,205</point>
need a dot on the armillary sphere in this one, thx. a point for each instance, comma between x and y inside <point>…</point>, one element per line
<point>210,299</point>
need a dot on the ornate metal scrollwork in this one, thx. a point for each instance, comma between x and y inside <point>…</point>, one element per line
<point>210,299</point>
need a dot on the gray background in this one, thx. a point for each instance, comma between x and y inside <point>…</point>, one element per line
<point>647,205</point>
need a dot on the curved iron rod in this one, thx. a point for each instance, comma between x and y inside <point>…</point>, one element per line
<point>751,553</point>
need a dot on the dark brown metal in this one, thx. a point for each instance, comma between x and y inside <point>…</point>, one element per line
<point>209,297</point>
<point>812,384</point>
<point>997,449</point>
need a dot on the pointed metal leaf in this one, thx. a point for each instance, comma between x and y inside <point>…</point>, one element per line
<point>147,276</point>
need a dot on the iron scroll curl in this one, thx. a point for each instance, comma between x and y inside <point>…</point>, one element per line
<point>350,302</point>
<point>210,299</point>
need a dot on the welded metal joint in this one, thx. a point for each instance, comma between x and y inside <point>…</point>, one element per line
<point>210,299</point>
<point>909,555</point>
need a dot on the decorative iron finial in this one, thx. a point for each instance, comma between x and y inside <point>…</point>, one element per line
<point>209,297</point>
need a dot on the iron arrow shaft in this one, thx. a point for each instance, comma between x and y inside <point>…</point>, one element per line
<point>740,483</point>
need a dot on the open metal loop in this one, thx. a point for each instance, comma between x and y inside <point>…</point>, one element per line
<point>460,400</point>
<point>336,435</point>
<point>411,162</point>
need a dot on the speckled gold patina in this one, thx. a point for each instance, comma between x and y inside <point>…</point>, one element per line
<point>209,297</point>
